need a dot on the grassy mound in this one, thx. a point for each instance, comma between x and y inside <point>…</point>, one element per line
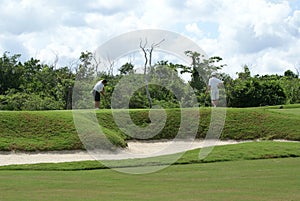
<point>240,123</point>
<point>55,130</point>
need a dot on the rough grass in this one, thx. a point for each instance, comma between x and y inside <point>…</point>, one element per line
<point>44,130</point>
<point>55,130</point>
<point>262,123</point>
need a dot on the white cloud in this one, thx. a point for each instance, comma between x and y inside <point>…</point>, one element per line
<point>255,32</point>
<point>194,29</point>
<point>26,16</point>
<point>293,24</point>
<point>263,33</point>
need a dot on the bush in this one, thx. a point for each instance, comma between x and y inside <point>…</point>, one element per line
<point>253,93</point>
<point>23,101</point>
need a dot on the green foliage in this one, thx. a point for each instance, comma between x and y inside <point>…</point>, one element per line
<point>168,86</point>
<point>247,91</point>
<point>126,69</point>
<point>35,86</point>
<point>11,71</point>
<point>253,92</point>
<point>165,87</point>
<point>24,101</point>
<point>290,74</point>
<point>291,86</point>
<point>201,69</point>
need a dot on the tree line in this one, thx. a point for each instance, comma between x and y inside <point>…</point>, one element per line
<point>32,85</point>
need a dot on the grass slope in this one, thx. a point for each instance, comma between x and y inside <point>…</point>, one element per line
<point>38,130</point>
<point>267,180</point>
<point>55,130</point>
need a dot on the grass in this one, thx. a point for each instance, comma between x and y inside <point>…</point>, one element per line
<point>55,130</point>
<point>262,123</point>
<point>255,180</point>
<point>36,130</point>
<point>231,172</point>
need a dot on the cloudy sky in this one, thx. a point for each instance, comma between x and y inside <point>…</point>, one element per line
<point>264,34</point>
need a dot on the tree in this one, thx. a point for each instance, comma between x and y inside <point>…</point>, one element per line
<point>291,85</point>
<point>244,75</point>
<point>11,71</point>
<point>85,69</point>
<point>34,86</point>
<point>247,91</point>
<point>290,74</point>
<point>126,69</point>
<point>200,69</point>
<point>65,80</point>
<point>148,64</point>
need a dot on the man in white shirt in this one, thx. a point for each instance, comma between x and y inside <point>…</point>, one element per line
<point>213,86</point>
<point>98,88</point>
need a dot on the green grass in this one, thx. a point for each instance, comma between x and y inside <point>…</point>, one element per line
<point>30,131</point>
<point>262,123</point>
<point>237,152</point>
<point>295,112</point>
<point>55,130</point>
<point>231,172</point>
<point>255,180</point>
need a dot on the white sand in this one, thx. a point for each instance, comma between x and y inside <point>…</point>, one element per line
<point>10,158</point>
<point>135,150</point>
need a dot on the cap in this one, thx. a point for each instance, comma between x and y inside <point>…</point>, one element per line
<point>213,74</point>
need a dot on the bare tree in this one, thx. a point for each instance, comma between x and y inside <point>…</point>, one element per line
<point>73,65</point>
<point>55,62</point>
<point>148,63</point>
<point>297,71</point>
<point>111,65</point>
<point>96,62</point>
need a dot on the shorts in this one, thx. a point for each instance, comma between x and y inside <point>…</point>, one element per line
<point>96,95</point>
<point>214,95</point>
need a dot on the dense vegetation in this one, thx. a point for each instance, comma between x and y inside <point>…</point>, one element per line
<point>55,130</point>
<point>32,85</point>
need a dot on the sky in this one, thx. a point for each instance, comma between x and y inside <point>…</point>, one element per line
<point>263,34</point>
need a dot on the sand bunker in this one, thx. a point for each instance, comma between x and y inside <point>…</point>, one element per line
<point>136,149</point>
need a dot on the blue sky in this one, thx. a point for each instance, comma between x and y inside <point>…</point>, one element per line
<point>263,34</point>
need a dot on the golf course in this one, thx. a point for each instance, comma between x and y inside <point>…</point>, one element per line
<point>264,167</point>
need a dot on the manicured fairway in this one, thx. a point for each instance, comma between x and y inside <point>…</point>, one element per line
<point>261,180</point>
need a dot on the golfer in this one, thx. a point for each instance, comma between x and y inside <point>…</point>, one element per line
<point>98,88</point>
<point>213,86</point>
